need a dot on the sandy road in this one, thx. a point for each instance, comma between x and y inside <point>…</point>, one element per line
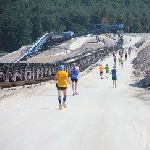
<point>100,118</point>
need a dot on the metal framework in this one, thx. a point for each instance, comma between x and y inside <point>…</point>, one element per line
<point>15,74</point>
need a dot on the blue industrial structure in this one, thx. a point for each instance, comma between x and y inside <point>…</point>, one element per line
<point>50,39</point>
<point>68,34</point>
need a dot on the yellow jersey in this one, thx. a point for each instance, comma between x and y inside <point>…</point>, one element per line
<point>119,59</point>
<point>61,76</point>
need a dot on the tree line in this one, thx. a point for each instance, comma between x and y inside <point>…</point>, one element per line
<point>23,21</point>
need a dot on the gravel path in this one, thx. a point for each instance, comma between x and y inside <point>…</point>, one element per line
<point>99,118</point>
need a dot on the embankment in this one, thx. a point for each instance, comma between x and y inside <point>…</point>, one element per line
<point>142,62</point>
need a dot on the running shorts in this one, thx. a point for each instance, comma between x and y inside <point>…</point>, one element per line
<point>74,80</point>
<point>61,88</point>
<point>114,78</point>
<point>101,72</point>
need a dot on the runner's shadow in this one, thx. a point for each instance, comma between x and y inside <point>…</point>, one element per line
<point>52,95</point>
<point>48,95</point>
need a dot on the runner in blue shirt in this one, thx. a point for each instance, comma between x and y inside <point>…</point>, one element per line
<point>74,78</point>
<point>114,76</point>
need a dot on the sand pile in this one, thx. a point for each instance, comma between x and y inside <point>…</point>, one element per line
<point>142,63</point>
<point>72,48</point>
<point>11,57</point>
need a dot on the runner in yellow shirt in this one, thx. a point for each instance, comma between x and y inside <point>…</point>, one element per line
<point>122,61</point>
<point>62,78</point>
<point>119,59</point>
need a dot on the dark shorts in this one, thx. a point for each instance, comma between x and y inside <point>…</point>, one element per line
<point>101,72</point>
<point>61,88</point>
<point>107,71</point>
<point>114,78</point>
<point>74,80</point>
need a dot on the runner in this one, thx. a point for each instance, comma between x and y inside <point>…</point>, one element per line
<point>74,78</point>
<point>61,78</point>
<point>121,55</point>
<point>126,55</point>
<point>119,59</point>
<point>114,60</point>
<point>114,55</point>
<point>107,70</point>
<point>122,51</point>
<point>101,68</point>
<point>122,61</point>
<point>129,52</point>
<point>135,35</point>
<point>114,76</point>
<point>119,52</point>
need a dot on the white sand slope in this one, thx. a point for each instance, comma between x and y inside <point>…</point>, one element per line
<point>99,118</point>
<point>78,42</point>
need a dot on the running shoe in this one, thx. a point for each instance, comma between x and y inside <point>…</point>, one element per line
<point>60,107</point>
<point>76,93</point>
<point>64,105</point>
<point>73,94</point>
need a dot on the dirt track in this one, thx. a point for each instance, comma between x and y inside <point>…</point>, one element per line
<point>99,118</point>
